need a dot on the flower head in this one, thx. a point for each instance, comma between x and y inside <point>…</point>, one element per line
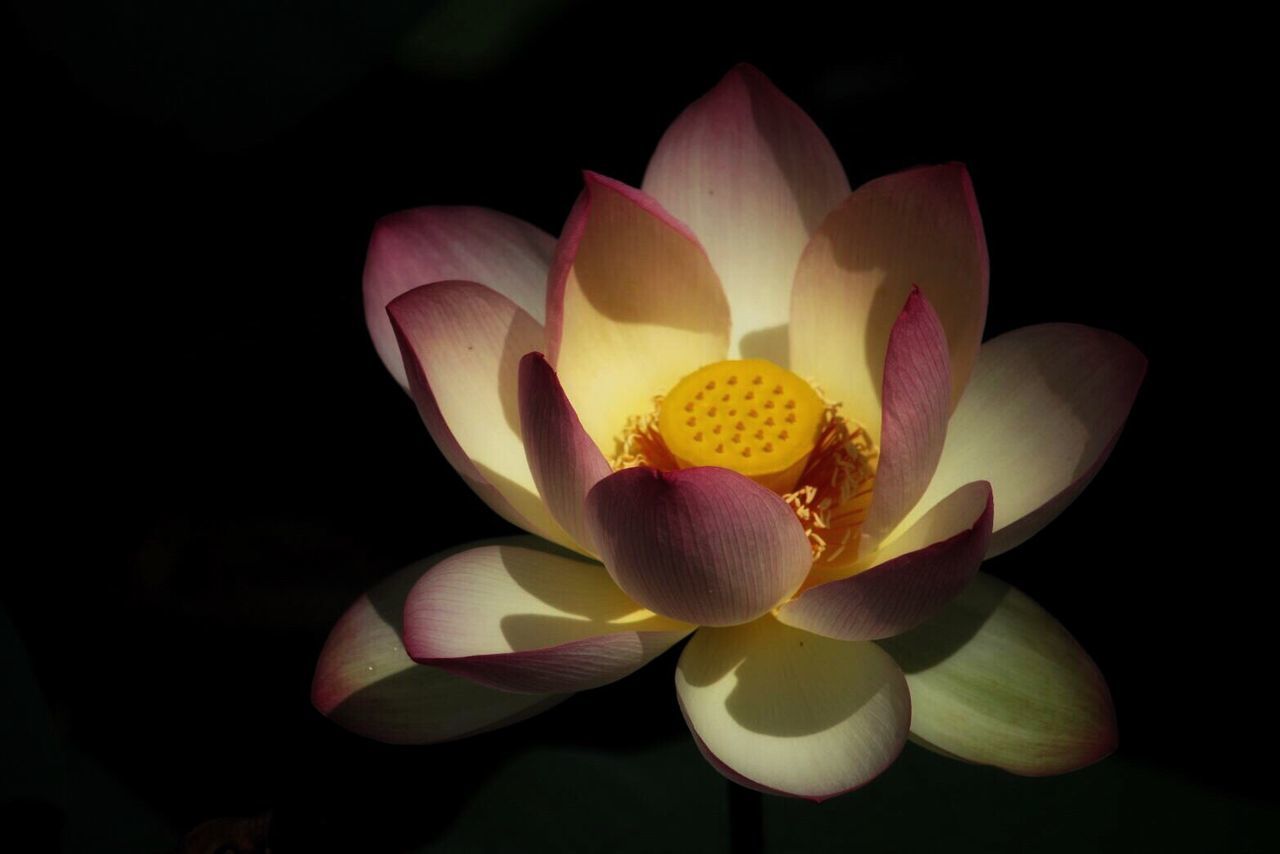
<point>748,405</point>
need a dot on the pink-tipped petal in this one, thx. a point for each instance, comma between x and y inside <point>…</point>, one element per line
<point>919,227</point>
<point>633,306</point>
<point>792,713</point>
<point>997,681</point>
<point>753,176</point>
<point>916,401</point>
<point>521,616</point>
<point>461,344</point>
<point>1044,408</point>
<point>416,247</point>
<point>704,545</point>
<point>908,580</point>
<point>365,682</point>
<point>564,461</point>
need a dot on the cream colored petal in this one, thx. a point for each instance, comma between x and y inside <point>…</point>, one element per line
<point>520,615</point>
<point>412,248</point>
<point>1041,413</point>
<point>462,344</point>
<point>918,228</point>
<point>786,711</point>
<point>366,682</point>
<point>753,176</point>
<point>632,308</point>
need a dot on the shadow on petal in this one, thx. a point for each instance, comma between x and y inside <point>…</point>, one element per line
<point>366,682</point>
<point>773,344</point>
<point>949,630</point>
<point>787,682</point>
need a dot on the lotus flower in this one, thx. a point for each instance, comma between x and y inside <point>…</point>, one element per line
<point>746,404</point>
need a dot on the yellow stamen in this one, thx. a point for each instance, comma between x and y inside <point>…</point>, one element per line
<point>835,488</point>
<point>772,457</point>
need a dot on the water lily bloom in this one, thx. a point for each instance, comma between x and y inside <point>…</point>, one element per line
<point>746,406</point>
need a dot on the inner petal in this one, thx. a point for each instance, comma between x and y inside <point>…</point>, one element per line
<point>765,422</point>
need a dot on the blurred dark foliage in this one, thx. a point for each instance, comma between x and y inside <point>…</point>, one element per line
<point>211,462</point>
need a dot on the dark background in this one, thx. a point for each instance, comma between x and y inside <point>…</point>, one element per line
<point>209,461</point>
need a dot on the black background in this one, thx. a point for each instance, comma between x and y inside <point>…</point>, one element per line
<point>211,463</point>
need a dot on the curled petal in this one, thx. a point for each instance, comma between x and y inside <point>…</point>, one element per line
<point>633,305</point>
<point>564,461</point>
<point>908,580</point>
<point>916,228</point>
<point>521,616</point>
<point>916,397</point>
<point>704,545</point>
<point>753,176</point>
<point>461,343</point>
<point>366,682</point>
<point>997,681</point>
<point>787,712</point>
<point>416,247</point>
<point>1042,412</point>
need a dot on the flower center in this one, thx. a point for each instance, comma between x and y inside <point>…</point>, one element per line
<point>765,422</point>
<point>748,415</point>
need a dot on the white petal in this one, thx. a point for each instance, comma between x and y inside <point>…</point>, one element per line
<point>787,711</point>
<point>1041,412</point>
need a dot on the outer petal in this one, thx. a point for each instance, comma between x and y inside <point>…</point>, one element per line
<point>520,616</point>
<point>908,580</point>
<point>1042,412</point>
<point>753,176</point>
<point>415,247</point>
<point>564,461</point>
<point>705,545</point>
<point>919,227</point>
<point>462,345</point>
<point>366,682</point>
<point>788,712</point>
<point>633,306</point>
<point>916,398</point>
<point>996,680</point>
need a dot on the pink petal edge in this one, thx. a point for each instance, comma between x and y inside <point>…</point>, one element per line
<point>916,403</point>
<point>564,461</point>
<point>366,683</point>
<point>895,596</point>
<point>575,227</point>
<point>472,590</point>
<point>753,176</point>
<point>421,301</point>
<point>704,545</point>
<point>415,247</point>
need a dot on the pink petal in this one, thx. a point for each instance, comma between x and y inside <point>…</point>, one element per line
<point>753,176</point>
<point>633,306</point>
<point>787,712</point>
<point>915,228</point>
<point>916,399</point>
<point>415,247</point>
<point>462,344</point>
<point>564,461</point>
<point>704,545</point>
<point>365,681</point>
<point>521,616</point>
<point>1044,408</point>
<point>996,680</point>
<point>909,580</point>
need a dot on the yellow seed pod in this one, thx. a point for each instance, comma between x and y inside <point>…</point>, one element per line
<point>748,415</point>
